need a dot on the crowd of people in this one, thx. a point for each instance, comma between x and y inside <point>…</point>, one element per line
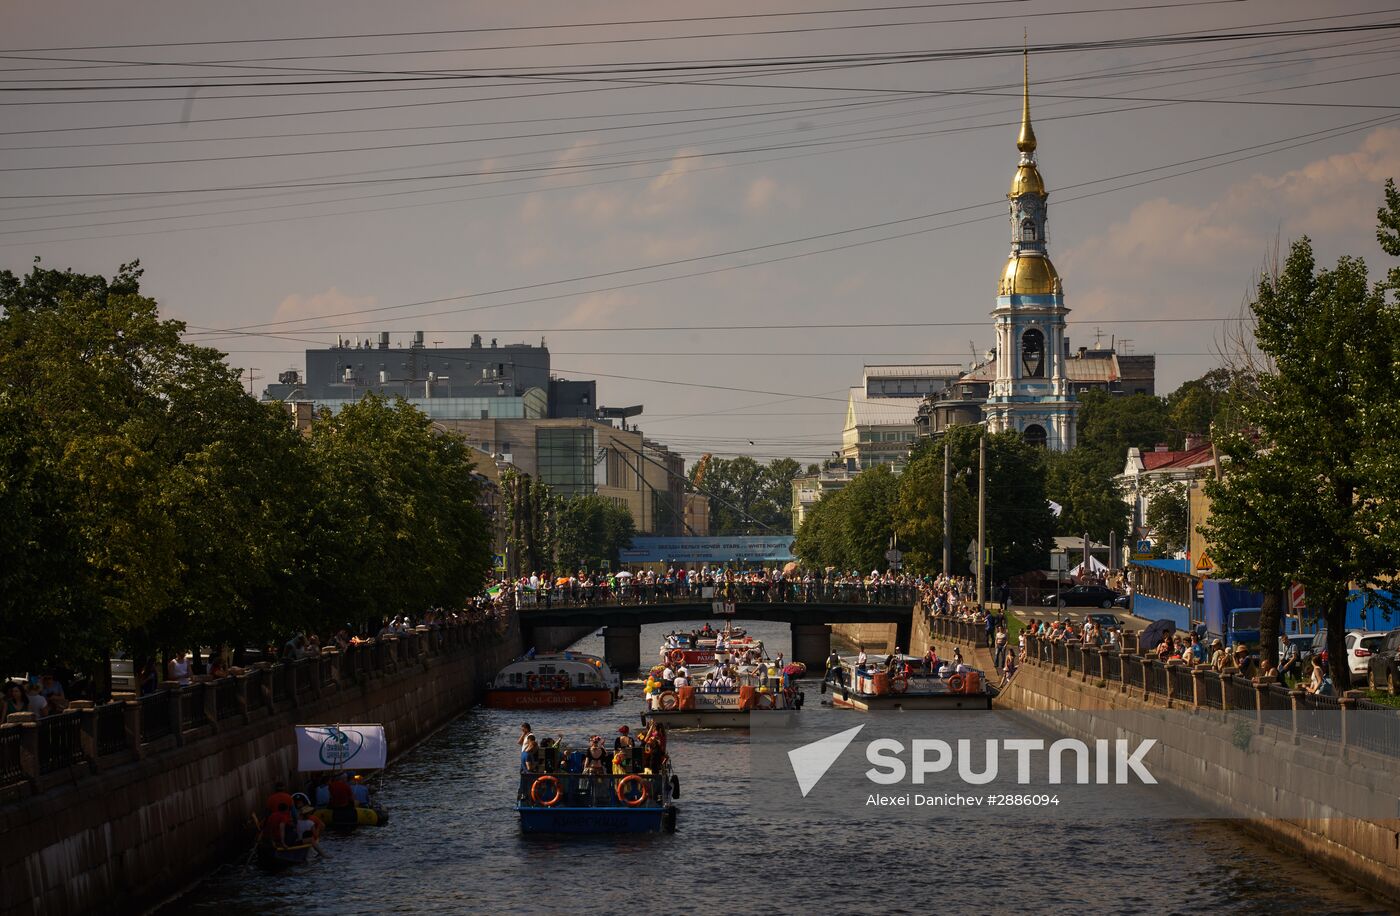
<point>40,694</point>
<point>643,753</point>
<point>650,586</point>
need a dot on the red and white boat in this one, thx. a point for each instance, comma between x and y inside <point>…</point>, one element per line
<point>565,680</point>
<point>683,649</point>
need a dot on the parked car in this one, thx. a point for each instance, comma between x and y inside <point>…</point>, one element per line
<point>1105,620</point>
<point>1381,667</point>
<point>1360,645</point>
<point>1124,601</point>
<point>1083,596</point>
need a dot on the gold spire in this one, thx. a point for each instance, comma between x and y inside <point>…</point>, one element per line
<point>1026,141</point>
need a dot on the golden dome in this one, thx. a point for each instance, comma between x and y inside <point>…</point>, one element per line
<point>1027,181</point>
<point>1029,275</point>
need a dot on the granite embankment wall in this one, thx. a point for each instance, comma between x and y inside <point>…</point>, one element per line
<point>159,791</point>
<point>1231,744</point>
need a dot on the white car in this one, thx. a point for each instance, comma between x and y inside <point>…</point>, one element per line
<point>1360,645</point>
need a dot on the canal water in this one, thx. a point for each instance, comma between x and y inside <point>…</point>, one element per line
<point>454,846</point>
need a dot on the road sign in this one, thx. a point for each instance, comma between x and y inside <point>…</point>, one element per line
<point>1205,564</point>
<point>1297,600</point>
<point>498,562</point>
<point>893,555</point>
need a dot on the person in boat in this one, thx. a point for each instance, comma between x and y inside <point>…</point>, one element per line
<point>931,662</point>
<point>339,795</point>
<point>957,657</point>
<point>279,826</point>
<point>682,679</point>
<point>279,799</point>
<point>860,658</point>
<point>524,733</point>
<point>833,667</point>
<point>308,829</point>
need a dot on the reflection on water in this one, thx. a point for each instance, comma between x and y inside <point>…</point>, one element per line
<point>453,845</point>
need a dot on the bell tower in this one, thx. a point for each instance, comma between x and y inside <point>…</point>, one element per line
<point>1030,393</point>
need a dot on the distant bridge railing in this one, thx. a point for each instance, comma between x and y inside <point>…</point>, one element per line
<point>782,592</point>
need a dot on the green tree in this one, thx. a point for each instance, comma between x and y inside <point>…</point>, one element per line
<point>1020,525</point>
<point>919,515</point>
<point>866,522</point>
<point>592,529</point>
<point>1167,518</point>
<point>1311,497</point>
<point>747,497</point>
<point>1083,484</point>
<point>397,527</point>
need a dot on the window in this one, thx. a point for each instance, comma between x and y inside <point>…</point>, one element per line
<point>1033,354</point>
<point>565,459</point>
<point>1034,434</point>
<point>1027,230</point>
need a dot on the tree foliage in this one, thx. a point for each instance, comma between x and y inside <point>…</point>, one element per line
<point>852,528</point>
<point>747,497</point>
<point>150,503</point>
<point>1167,518</point>
<point>1310,495</point>
<point>592,529</point>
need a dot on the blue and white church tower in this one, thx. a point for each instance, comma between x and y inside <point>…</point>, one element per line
<point>1030,393</point>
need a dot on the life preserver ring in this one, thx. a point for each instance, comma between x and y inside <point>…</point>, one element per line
<point>667,700</point>
<point>627,800</point>
<point>677,656</point>
<point>899,683</point>
<point>765,701</point>
<point>955,684</point>
<point>561,682</point>
<point>532,681</point>
<point>553,799</point>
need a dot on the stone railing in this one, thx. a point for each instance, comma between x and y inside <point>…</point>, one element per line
<point>39,753</point>
<point>1176,684</point>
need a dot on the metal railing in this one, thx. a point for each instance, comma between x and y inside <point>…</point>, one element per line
<point>745,592</point>
<point>111,728</point>
<point>11,771</point>
<point>32,750</point>
<point>155,716</point>
<point>60,742</point>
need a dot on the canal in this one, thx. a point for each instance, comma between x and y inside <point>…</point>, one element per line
<point>454,846</point>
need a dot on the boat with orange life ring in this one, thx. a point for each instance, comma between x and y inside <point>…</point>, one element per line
<point>564,680</point>
<point>715,699</point>
<point>907,687</point>
<point>638,795</point>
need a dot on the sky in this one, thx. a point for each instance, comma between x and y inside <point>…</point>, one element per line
<point>721,219</point>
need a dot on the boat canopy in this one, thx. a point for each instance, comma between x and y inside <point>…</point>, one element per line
<point>341,747</point>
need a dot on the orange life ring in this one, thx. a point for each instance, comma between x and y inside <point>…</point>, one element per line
<point>561,682</point>
<point>624,782</point>
<point>553,799</point>
<point>899,683</point>
<point>760,704</point>
<point>668,700</point>
<point>532,681</point>
<point>677,656</point>
<point>955,684</point>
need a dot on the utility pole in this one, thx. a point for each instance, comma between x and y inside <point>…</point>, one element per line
<point>947,507</point>
<point>982,522</point>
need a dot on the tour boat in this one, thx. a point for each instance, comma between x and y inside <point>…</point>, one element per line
<point>683,649</point>
<point>562,799</point>
<point>559,681</point>
<point>693,707</point>
<point>870,687</point>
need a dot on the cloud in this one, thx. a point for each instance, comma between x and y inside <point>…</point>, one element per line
<point>763,193</point>
<point>320,305</point>
<point>592,309</point>
<point>1169,257</point>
